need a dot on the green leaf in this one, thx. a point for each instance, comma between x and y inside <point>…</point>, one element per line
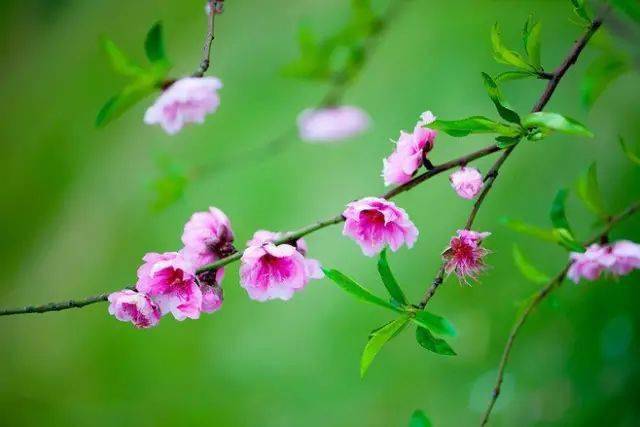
<point>154,45</point>
<point>527,269</point>
<point>389,281</point>
<point>580,9</point>
<point>419,419</point>
<point>531,39</point>
<point>566,239</point>
<point>528,229</point>
<point>475,124</point>
<point>120,63</point>
<point>557,213</point>
<point>627,151</point>
<point>589,191</point>
<point>439,325</point>
<point>431,343</point>
<point>514,75</point>
<point>554,121</point>
<point>496,97</point>
<point>599,75</point>
<point>377,339</point>
<point>507,56</point>
<point>121,102</point>
<point>355,289</point>
<point>507,141</point>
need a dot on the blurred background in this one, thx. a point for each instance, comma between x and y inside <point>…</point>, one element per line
<point>81,206</point>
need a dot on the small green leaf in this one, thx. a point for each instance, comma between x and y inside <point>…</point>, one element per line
<point>589,191</point>
<point>531,230</point>
<point>600,74</point>
<point>557,213</point>
<point>154,45</point>
<point>389,281</point>
<point>566,239</point>
<point>580,9</point>
<point>439,325</point>
<point>377,339</point>
<point>507,141</point>
<point>121,102</point>
<point>514,75</point>
<point>627,151</point>
<point>496,97</point>
<point>554,121</point>
<point>419,419</point>
<point>527,269</point>
<point>431,343</point>
<point>355,289</point>
<point>504,55</point>
<point>475,124</point>
<point>120,63</point>
<point>531,39</point>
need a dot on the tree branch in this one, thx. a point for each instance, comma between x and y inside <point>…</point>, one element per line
<point>215,8</point>
<point>538,298</point>
<point>492,175</point>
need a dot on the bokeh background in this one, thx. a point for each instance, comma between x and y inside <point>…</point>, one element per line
<point>78,214</point>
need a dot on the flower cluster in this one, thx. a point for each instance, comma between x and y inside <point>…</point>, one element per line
<point>619,259</point>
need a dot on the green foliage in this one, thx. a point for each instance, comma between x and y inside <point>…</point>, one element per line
<point>474,125</point>
<point>580,10</point>
<point>527,269</point>
<point>528,229</point>
<point>507,56</point>
<point>531,41</point>
<point>435,323</point>
<point>377,339</point>
<point>627,151</point>
<point>419,419</point>
<point>431,343</point>
<point>507,141</point>
<point>513,75</point>
<point>554,122</point>
<point>340,56</point>
<point>589,191</point>
<point>558,212</point>
<point>496,97</point>
<point>144,81</point>
<point>389,281</point>
<point>354,288</point>
<point>600,74</point>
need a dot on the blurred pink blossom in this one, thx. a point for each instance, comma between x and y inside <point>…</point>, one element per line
<point>188,100</point>
<point>134,307</point>
<point>332,123</point>
<point>207,237</point>
<point>374,223</point>
<point>619,258</point>
<point>467,182</point>
<point>407,157</point>
<point>627,257</point>
<point>465,255</point>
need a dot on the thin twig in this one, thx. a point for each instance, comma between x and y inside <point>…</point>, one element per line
<point>293,235</point>
<point>493,172</point>
<point>208,42</point>
<point>537,299</point>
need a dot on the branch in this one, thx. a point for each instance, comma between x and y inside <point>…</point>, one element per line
<point>539,297</point>
<point>492,175</point>
<point>215,7</point>
<point>288,237</point>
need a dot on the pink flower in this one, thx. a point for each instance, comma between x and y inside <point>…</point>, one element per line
<point>591,263</point>
<point>211,298</point>
<point>134,307</point>
<point>426,118</point>
<point>465,255</point>
<point>269,271</point>
<point>408,155</point>
<point>188,100</point>
<point>374,223</point>
<point>207,237</point>
<point>467,182</point>
<point>627,257</point>
<point>332,123</point>
<point>170,280</point>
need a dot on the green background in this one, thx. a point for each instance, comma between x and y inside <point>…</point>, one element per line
<point>76,220</point>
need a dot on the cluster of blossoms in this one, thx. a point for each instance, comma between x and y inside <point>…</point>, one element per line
<point>619,259</point>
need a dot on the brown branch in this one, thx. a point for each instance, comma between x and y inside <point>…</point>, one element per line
<point>215,8</point>
<point>293,235</point>
<point>492,175</point>
<point>538,298</point>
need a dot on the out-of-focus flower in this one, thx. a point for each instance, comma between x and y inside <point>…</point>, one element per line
<point>169,278</point>
<point>426,118</point>
<point>627,257</point>
<point>408,155</point>
<point>134,307</point>
<point>207,237</point>
<point>332,123</point>
<point>374,223</point>
<point>589,264</point>
<point>212,297</point>
<point>465,255</point>
<point>467,182</point>
<point>188,100</point>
